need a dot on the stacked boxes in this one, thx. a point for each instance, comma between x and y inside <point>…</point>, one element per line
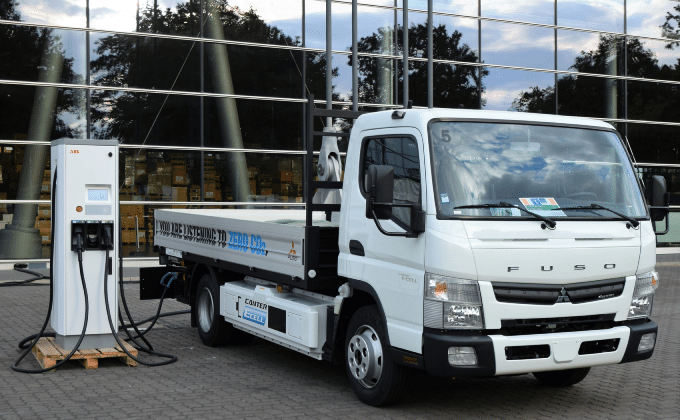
<point>132,219</point>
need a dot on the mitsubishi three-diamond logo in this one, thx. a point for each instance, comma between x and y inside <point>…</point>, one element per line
<point>563,297</point>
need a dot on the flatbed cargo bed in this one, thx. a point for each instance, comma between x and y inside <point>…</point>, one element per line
<point>276,245</point>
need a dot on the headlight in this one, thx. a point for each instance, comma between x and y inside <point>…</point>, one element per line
<point>452,303</point>
<point>643,296</point>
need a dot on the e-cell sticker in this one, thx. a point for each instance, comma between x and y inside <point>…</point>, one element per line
<point>254,315</point>
<point>445,198</point>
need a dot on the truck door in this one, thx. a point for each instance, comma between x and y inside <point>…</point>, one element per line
<point>392,265</point>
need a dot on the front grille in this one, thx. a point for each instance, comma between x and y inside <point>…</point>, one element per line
<point>528,326</point>
<point>549,294</point>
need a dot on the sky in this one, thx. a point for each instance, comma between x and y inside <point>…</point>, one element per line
<point>502,43</point>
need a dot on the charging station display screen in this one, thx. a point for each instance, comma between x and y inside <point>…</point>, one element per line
<point>97,195</point>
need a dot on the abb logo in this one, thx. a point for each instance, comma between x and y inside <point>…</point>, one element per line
<point>75,151</point>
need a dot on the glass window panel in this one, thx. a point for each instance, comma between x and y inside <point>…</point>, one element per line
<point>141,62</point>
<point>672,176</point>
<point>455,86</point>
<point>315,25</point>
<point>653,18</point>
<point>316,73</point>
<point>258,71</point>
<point>459,32</point>
<point>375,29</point>
<point>22,56</point>
<point>590,53</point>
<point>653,59</point>
<point>656,144</point>
<point>36,216</point>
<point>536,11</point>
<point>518,45</point>
<point>461,7</point>
<point>263,124</point>
<point>170,16</point>
<point>62,13</point>
<point>145,118</point>
<point>417,34</point>
<point>376,79</point>
<point>18,105</point>
<point>650,101</point>
<point>585,96</point>
<point>175,176</point>
<point>600,15</point>
<point>285,15</point>
<point>516,90</point>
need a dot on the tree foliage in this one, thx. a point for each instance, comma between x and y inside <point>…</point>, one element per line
<point>152,63</point>
<point>21,52</point>
<point>454,86</point>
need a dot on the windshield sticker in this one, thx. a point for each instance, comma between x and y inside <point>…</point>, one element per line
<point>445,198</point>
<point>505,212</point>
<point>543,206</point>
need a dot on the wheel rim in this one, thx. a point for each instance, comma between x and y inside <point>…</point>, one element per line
<point>205,310</point>
<point>364,354</point>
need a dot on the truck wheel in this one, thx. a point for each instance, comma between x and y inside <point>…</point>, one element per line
<point>213,330</point>
<point>375,379</point>
<point>562,378</point>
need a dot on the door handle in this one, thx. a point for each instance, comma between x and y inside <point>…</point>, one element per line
<point>355,248</point>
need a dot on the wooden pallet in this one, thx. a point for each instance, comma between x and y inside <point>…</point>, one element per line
<point>48,353</point>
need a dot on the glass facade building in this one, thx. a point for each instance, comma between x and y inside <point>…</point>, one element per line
<point>207,97</point>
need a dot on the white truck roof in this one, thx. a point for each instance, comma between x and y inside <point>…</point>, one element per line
<point>420,118</point>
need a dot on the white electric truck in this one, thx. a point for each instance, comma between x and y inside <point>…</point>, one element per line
<point>465,243</point>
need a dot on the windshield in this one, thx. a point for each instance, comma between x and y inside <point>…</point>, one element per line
<point>543,169</point>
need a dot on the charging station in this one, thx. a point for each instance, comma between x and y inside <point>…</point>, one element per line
<point>85,219</point>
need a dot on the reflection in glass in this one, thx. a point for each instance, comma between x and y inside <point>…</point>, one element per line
<point>600,15</point>
<point>590,53</point>
<point>653,101</point>
<point>176,176</point>
<point>489,163</point>
<point>653,18</point>
<point>148,63</point>
<point>66,13</point>
<point>653,59</point>
<point>17,103</point>
<point>462,32</point>
<point>536,11</point>
<point>655,144</point>
<point>505,90</point>
<point>585,96</point>
<point>518,45</point>
<point>264,124</point>
<point>23,47</point>
<point>456,86</point>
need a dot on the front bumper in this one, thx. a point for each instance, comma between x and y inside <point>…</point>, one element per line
<point>563,354</point>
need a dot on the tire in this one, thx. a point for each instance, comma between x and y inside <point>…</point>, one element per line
<point>213,330</point>
<point>562,378</point>
<point>375,379</point>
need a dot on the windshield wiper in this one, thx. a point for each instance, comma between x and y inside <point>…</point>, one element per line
<point>547,223</point>
<point>631,222</point>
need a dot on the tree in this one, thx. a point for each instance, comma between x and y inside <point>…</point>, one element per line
<point>647,101</point>
<point>21,51</point>
<point>455,86</point>
<point>147,62</point>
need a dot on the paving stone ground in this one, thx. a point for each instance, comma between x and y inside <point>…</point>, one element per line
<point>262,380</point>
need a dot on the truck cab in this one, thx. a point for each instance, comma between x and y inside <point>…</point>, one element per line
<point>537,250</point>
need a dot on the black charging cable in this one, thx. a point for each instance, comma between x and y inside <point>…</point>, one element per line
<point>37,276</point>
<point>79,241</point>
<point>172,359</point>
<point>172,277</point>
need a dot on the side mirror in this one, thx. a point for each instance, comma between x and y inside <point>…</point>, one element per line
<point>658,196</point>
<point>380,201</point>
<point>380,191</point>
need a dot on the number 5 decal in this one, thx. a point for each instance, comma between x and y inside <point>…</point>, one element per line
<point>445,136</point>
